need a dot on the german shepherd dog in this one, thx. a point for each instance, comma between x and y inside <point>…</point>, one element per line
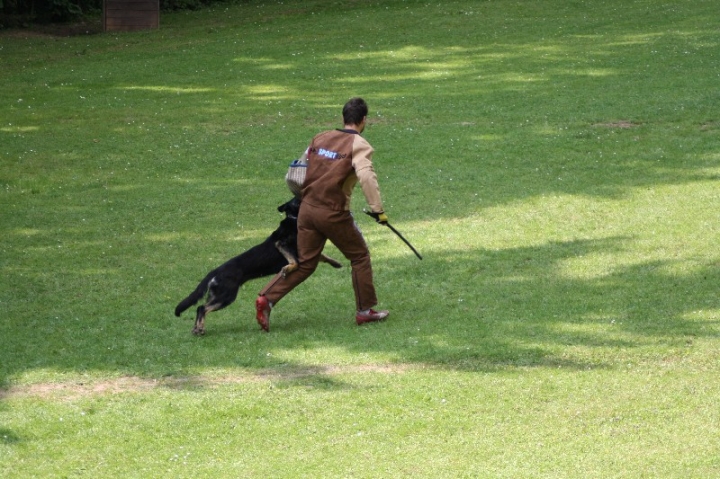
<point>278,253</point>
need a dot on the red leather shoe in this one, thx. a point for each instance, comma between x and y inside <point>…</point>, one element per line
<point>370,316</point>
<point>262,306</point>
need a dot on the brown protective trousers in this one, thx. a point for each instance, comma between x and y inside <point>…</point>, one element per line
<point>315,227</point>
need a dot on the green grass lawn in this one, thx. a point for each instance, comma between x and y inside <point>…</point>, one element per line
<point>556,163</point>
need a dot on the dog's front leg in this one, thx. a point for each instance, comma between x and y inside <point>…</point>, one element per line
<point>291,259</point>
<point>287,269</point>
<point>330,261</point>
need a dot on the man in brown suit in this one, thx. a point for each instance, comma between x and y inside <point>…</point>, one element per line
<point>337,161</point>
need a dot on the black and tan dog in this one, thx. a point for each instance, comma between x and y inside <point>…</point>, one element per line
<point>278,253</point>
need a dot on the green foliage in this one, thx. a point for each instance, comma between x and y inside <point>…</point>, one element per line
<point>170,5</point>
<point>46,11</point>
<point>555,162</point>
<point>60,10</point>
<point>18,12</point>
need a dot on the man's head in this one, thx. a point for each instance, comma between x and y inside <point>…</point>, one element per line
<point>355,112</point>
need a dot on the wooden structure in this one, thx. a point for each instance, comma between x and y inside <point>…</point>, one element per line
<point>130,15</point>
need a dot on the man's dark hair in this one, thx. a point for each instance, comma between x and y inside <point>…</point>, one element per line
<point>354,111</point>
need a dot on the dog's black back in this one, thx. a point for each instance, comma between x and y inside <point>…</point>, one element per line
<point>222,284</point>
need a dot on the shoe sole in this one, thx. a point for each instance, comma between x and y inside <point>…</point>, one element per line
<point>362,321</point>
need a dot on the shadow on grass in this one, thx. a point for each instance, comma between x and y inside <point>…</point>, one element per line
<point>513,308</point>
<point>464,127</point>
<point>572,111</point>
<point>516,308</point>
<point>8,437</point>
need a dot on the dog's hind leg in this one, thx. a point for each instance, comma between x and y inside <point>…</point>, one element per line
<point>221,294</point>
<point>202,311</point>
<point>199,328</point>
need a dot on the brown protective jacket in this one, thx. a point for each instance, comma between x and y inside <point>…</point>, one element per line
<point>337,160</point>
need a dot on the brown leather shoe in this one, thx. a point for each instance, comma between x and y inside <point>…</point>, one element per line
<point>370,316</point>
<point>262,306</point>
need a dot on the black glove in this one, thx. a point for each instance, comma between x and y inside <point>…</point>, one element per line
<point>380,217</point>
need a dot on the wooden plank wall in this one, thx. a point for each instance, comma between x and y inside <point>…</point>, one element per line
<point>129,15</point>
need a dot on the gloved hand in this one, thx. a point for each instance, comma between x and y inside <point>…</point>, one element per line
<point>380,217</point>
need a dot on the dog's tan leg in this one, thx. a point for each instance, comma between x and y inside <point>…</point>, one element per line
<point>291,259</point>
<point>330,261</point>
<point>202,311</point>
<point>289,268</point>
<point>199,328</point>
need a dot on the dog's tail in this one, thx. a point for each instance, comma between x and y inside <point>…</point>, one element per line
<point>195,296</point>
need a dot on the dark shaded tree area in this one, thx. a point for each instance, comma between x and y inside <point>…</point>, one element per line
<point>16,13</point>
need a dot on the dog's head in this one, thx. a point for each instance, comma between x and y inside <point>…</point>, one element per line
<point>291,208</point>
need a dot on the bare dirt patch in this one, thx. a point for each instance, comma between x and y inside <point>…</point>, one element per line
<point>133,384</point>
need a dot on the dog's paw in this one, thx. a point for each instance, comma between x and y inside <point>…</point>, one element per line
<point>198,331</point>
<point>289,268</point>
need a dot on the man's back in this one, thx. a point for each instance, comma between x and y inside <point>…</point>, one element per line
<point>337,159</point>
